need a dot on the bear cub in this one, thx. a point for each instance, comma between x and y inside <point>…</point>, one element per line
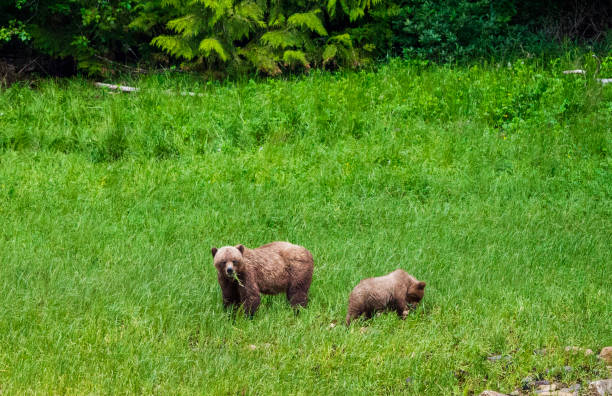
<point>269,269</point>
<point>397,291</point>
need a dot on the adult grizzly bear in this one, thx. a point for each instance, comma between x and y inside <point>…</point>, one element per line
<point>270,269</point>
<point>394,291</point>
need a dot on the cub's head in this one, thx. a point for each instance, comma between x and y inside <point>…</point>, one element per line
<point>416,291</point>
<point>228,260</point>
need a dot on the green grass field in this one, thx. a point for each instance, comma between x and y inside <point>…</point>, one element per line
<point>491,183</point>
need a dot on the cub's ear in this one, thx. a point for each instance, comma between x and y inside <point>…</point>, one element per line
<point>421,285</point>
<point>241,248</point>
<point>214,251</point>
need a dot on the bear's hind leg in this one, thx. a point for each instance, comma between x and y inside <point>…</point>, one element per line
<point>297,292</point>
<point>297,295</point>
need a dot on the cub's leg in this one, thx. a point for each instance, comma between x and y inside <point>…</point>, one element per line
<point>401,308</point>
<point>352,315</point>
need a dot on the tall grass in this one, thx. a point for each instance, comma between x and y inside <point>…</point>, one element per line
<point>492,183</point>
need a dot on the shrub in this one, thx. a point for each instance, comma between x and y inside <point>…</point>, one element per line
<point>92,32</point>
<point>267,37</point>
<point>273,37</point>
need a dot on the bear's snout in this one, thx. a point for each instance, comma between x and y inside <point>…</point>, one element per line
<point>229,270</point>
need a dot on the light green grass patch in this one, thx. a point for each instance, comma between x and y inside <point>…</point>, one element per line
<point>492,184</point>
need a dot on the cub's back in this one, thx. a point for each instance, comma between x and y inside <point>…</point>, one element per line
<point>376,291</point>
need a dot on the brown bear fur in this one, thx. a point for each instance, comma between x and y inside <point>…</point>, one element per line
<point>270,269</point>
<point>395,291</point>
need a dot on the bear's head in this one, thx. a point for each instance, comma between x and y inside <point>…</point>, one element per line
<point>228,260</point>
<point>416,291</point>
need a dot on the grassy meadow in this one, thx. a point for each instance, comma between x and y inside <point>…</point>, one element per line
<point>492,183</point>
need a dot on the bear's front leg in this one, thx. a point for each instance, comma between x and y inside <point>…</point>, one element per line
<point>229,290</point>
<point>401,308</point>
<point>249,296</point>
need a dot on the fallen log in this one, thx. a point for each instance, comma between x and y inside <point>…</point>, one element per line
<point>125,88</point>
<point>122,88</point>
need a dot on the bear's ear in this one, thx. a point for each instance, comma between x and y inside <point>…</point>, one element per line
<point>241,248</point>
<point>213,251</point>
<point>421,285</point>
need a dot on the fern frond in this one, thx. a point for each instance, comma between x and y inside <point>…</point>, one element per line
<point>329,52</point>
<point>187,26</point>
<point>174,45</point>
<point>277,20</point>
<point>214,4</point>
<point>262,58</point>
<point>355,9</point>
<point>172,3</point>
<point>282,39</point>
<point>249,10</point>
<point>356,13</point>
<point>142,23</point>
<point>295,57</point>
<point>344,39</point>
<point>219,8</point>
<point>331,8</point>
<point>211,44</point>
<point>247,17</point>
<point>309,20</point>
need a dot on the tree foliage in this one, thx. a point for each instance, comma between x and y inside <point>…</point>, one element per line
<point>276,36</point>
<point>266,36</point>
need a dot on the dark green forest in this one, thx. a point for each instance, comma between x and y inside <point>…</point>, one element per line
<point>274,37</point>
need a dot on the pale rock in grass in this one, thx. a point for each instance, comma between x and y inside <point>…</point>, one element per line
<point>496,358</point>
<point>570,391</point>
<point>541,383</point>
<point>547,387</point>
<point>573,388</point>
<point>491,393</point>
<point>601,387</point>
<point>553,390</point>
<point>528,383</point>
<point>575,349</point>
<point>252,347</point>
<point>606,355</point>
